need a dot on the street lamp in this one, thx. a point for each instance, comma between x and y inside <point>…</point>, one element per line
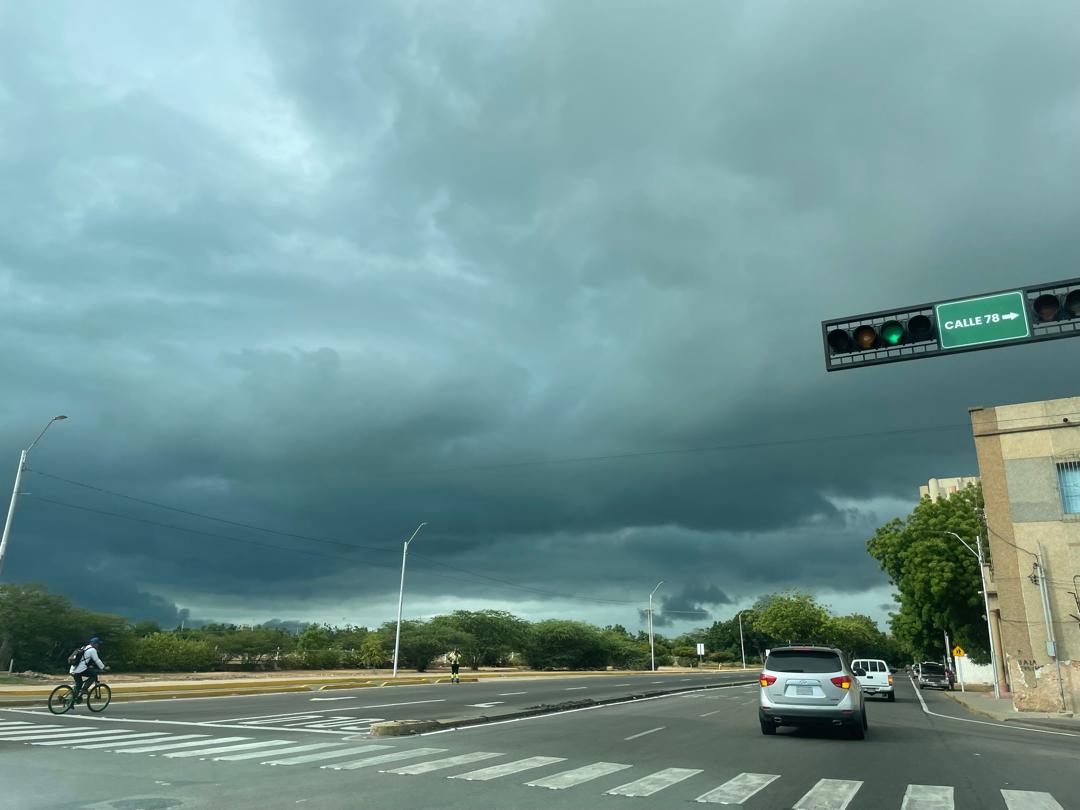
<point>742,644</point>
<point>23,456</point>
<point>977,551</point>
<point>652,646</point>
<point>401,595</point>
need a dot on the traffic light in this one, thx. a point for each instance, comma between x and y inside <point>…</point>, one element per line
<point>1035,313</point>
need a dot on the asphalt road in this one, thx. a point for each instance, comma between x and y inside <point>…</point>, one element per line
<point>701,746</point>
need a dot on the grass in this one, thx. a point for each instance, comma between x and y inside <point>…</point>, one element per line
<point>18,680</point>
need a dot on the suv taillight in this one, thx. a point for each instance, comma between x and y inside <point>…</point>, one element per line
<point>890,680</point>
<point>766,680</point>
<point>844,682</point>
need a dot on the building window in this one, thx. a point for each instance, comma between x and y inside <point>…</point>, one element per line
<point>1069,483</point>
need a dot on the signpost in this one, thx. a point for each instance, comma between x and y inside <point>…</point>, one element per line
<point>986,319</point>
<point>958,652</point>
<point>701,652</point>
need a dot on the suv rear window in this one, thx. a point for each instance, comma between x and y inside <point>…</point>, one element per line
<point>933,669</point>
<point>803,661</point>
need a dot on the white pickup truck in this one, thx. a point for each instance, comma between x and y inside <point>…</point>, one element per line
<point>874,676</point>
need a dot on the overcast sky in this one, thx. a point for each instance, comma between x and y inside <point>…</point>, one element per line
<point>334,269</point>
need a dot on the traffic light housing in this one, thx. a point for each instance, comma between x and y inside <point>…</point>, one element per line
<point>1050,311</point>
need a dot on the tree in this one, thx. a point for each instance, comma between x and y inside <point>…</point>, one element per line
<point>489,635</point>
<point>790,617</point>
<point>420,642</point>
<point>937,578</point>
<point>564,644</point>
<point>372,652</point>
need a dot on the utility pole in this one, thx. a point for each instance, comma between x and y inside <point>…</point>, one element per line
<point>1051,643</point>
<point>978,552</point>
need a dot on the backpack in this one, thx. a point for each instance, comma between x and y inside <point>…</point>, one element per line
<point>76,657</point>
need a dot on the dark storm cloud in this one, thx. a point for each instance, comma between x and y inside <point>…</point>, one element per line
<point>333,272</point>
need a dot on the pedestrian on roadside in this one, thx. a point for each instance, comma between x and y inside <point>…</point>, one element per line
<point>455,665</point>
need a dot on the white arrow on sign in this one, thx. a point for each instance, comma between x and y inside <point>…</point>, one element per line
<point>1009,316</point>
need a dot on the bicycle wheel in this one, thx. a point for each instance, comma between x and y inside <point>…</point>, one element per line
<point>62,699</point>
<point>98,697</point>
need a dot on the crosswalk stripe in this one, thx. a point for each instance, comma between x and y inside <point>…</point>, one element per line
<point>49,735</point>
<point>928,797</point>
<point>577,776</point>
<point>1029,800</point>
<point>12,723</point>
<point>829,794</point>
<point>396,756</point>
<point>225,749</point>
<point>507,768</point>
<point>174,742</point>
<point>13,732</point>
<point>127,738</point>
<point>292,749</point>
<point>85,736</point>
<point>439,764</point>
<point>739,789</point>
<point>343,752</point>
<point>654,782</point>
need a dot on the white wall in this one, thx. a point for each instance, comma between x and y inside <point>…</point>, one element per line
<point>974,673</point>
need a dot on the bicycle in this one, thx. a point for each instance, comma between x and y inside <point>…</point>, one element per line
<point>62,698</point>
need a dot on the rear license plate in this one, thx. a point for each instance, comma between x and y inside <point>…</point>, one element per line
<point>804,691</point>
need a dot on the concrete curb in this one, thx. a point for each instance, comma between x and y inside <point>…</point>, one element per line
<point>1065,723</point>
<point>404,728</point>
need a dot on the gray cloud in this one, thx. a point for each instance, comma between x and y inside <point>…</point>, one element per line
<point>336,273</point>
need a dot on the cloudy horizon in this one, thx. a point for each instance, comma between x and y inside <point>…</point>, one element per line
<point>545,276</point>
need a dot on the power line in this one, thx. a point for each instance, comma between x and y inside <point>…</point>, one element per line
<point>310,553</point>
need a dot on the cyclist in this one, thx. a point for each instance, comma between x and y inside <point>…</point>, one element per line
<point>86,668</point>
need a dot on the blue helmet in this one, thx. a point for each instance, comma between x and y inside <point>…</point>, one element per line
<point>95,640</point>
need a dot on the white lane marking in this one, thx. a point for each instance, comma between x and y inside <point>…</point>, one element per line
<point>300,718</point>
<point>33,728</point>
<point>13,723</point>
<point>550,715</point>
<point>739,789</point>
<point>642,734</point>
<point>486,705</point>
<point>574,688</point>
<point>226,749</point>
<point>341,752</point>
<point>508,694</point>
<point>654,782</point>
<point>396,756</point>
<point>125,739</point>
<point>686,679</point>
<point>508,768</point>
<point>657,681</point>
<point>84,736</point>
<point>568,779</point>
<point>51,735</point>
<point>623,684</point>
<point>325,700</point>
<point>829,794</point>
<point>323,711</point>
<point>292,749</point>
<point>1029,800</point>
<point>707,714</point>
<point>926,710</point>
<point>439,764</point>
<point>174,742</point>
<point>928,797</point>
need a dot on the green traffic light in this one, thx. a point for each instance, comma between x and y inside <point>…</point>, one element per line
<point>892,333</point>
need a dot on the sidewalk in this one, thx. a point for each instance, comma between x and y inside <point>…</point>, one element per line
<point>1002,711</point>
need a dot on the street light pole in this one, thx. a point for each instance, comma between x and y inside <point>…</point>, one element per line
<point>652,646</point>
<point>742,644</point>
<point>401,596</point>
<point>978,552</point>
<point>23,456</point>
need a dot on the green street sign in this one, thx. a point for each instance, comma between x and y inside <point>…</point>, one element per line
<point>988,319</point>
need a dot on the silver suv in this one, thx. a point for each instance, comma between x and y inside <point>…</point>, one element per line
<point>810,686</point>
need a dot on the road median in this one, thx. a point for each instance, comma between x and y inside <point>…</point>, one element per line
<point>405,728</point>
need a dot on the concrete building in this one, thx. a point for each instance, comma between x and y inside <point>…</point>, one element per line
<point>1029,463</point>
<point>937,488</point>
